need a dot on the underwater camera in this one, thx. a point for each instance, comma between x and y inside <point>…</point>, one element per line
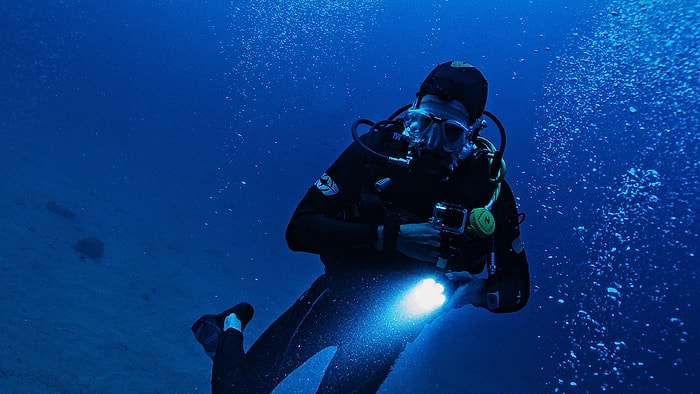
<point>458,220</point>
<point>456,223</point>
<point>449,217</point>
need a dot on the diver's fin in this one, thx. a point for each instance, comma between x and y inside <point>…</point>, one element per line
<point>208,327</point>
<point>207,333</point>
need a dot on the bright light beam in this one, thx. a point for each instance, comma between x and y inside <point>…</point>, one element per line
<point>427,296</point>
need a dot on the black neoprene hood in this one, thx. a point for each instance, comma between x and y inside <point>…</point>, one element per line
<point>459,81</point>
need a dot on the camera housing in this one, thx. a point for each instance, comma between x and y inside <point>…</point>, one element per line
<point>451,218</point>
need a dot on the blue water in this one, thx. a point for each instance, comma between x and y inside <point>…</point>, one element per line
<point>183,134</point>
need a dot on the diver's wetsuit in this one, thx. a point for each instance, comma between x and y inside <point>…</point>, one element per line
<point>354,305</point>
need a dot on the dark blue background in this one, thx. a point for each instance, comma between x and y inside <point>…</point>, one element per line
<point>222,114</point>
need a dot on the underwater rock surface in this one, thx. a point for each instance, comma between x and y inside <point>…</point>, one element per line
<point>90,247</point>
<point>53,206</point>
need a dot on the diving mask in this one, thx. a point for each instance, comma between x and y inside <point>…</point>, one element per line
<point>431,132</point>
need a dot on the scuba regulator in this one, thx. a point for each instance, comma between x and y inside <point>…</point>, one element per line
<point>454,222</point>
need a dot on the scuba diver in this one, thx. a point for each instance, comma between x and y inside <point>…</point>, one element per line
<point>412,220</point>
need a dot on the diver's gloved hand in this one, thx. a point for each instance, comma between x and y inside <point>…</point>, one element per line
<point>419,241</point>
<point>470,290</point>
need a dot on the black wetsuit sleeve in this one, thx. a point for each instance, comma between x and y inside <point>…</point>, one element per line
<point>320,223</point>
<point>508,288</point>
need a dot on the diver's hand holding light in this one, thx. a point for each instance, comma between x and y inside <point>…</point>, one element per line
<point>468,290</point>
<point>455,290</point>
